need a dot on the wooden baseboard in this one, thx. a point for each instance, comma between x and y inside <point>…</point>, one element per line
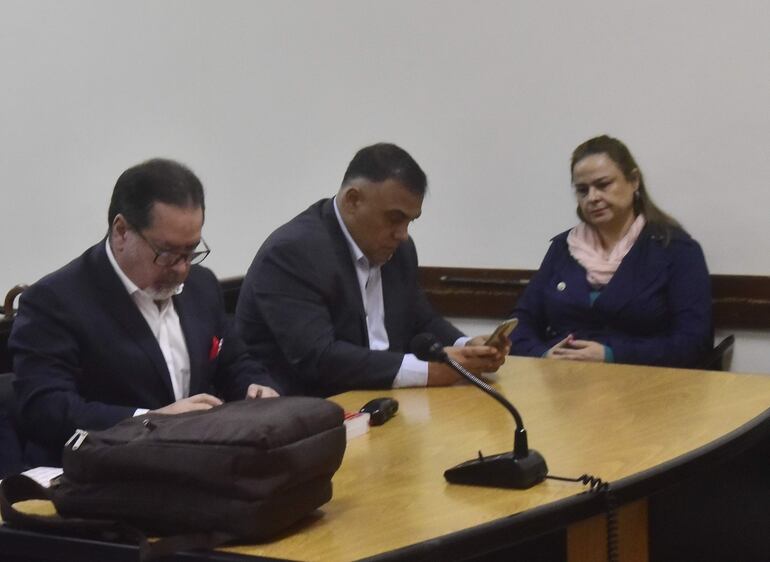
<point>740,301</point>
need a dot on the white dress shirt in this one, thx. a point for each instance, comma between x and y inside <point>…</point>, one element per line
<point>412,371</point>
<point>164,323</point>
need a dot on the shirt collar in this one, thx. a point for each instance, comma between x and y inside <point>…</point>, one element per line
<point>355,251</point>
<point>127,283</point>
<point>130,286</point>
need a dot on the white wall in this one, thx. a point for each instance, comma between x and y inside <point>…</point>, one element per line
<point>268,100</point>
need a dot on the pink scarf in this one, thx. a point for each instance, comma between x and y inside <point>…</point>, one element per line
<point>586,247</point>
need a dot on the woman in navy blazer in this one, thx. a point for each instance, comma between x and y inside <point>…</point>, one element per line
<point>627,285</point>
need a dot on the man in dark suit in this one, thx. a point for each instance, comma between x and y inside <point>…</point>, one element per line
<point>332,301</point>
<point>133,324</point>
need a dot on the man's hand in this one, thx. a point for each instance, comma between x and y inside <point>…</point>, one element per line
<point>440,374</point>
<point>476,358</point>
<point>576,350</point>
<point>259,391</point>
<point>197,402</point>
<point>501,342</point>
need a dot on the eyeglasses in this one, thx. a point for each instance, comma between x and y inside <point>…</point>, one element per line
<point>165,258</point>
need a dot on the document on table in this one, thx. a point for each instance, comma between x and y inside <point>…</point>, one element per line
<point>43,474</point>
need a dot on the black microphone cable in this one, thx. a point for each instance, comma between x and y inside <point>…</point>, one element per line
<point>597,485</point>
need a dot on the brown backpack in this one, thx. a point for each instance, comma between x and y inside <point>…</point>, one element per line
<point>239,472</point>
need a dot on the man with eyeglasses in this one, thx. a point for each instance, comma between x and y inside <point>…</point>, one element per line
<point>134,324</point>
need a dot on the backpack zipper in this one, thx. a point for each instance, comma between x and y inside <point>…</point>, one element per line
<point>78,437</point>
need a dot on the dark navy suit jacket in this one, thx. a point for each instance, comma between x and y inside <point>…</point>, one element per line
<point>85,357</point>
<point>300,309</point>
<point>10,448</point>
<point>656,309</point>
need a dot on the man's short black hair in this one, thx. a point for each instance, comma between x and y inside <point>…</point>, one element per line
<point>156,180</point>
<point>385,161</point>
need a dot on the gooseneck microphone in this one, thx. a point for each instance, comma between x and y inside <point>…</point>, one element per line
<point>521,468</point>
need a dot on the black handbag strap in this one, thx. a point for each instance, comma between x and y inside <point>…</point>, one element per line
<point>21,488</point>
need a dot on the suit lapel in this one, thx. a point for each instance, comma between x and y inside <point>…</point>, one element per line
<point>394,305</point>
<point>347,267</point>
<point>571,277</point>
<point>195,337</point>
<point>118,302</point>
<point>639,268</point>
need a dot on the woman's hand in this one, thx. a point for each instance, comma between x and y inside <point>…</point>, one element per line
<point>576,350</point>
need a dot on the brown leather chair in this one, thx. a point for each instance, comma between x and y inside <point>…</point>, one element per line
<point>7,315</point>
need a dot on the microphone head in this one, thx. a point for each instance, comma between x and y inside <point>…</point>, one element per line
<point>427,347</point>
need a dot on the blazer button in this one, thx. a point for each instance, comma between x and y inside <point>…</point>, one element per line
<point>561,286</point>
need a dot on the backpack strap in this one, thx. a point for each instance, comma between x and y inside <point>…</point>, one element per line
<point>192,541</point>
<point>21,488</point>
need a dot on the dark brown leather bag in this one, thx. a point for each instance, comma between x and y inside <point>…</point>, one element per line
<point>239,472</point>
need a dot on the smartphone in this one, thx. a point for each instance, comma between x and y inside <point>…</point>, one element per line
<point>504,328</point>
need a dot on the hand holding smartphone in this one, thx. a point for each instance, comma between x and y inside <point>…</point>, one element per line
<point>505,328</point>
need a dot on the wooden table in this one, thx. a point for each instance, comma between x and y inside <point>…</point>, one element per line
<point>639,428</point>
<point>636,427</point>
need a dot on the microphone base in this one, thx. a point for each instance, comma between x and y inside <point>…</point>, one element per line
<point>500,471</point>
